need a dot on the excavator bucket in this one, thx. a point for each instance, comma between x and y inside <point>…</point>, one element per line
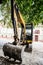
<point>12,51</point>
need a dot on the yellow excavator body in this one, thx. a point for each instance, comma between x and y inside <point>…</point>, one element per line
<point>19,19</point>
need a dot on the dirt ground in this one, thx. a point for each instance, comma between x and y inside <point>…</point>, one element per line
<point>3,61</point>
<point>33,58</point>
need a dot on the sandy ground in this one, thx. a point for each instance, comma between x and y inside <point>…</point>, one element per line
<point>33,58</point>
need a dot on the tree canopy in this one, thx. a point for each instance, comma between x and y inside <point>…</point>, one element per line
<point>32,10</point>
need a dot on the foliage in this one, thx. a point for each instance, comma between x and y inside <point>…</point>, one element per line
<point>32,11</point>
<point>5,9</point>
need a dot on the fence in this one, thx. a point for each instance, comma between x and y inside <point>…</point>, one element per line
<point>8,33</point>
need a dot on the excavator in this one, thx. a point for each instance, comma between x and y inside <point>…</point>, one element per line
<point>13,50</point>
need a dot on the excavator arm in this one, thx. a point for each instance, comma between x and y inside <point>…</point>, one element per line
<point>17,18</point>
